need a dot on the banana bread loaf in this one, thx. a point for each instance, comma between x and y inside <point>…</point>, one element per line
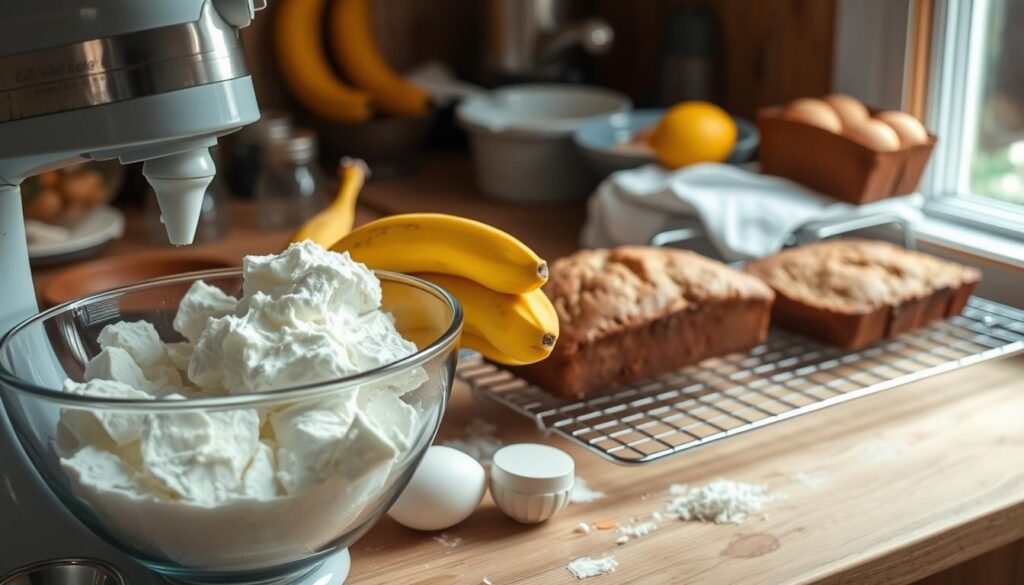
<point>852,293</point>
<point>632,313</point>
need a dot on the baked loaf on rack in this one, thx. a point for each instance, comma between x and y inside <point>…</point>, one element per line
<point>852,293</point>
<point>632,313</point>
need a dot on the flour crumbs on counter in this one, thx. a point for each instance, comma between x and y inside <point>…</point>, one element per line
<point>636,530</point>
<point>721,501</point>
<point>486,581</point>
<point>447,542</point>
<point>480,440</point>
<point>586,567</point>
<point>582,528</point>
<point>581,493</point>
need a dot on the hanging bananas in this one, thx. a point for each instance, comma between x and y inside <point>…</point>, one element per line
<point>305,69</point>
<point>312,81</point>
<point>356,52</point>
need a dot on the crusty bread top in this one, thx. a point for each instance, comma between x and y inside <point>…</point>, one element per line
<point>857,276</point>
<point>599,292</point>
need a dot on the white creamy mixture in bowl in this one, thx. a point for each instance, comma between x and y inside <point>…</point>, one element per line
<point>235,423</point>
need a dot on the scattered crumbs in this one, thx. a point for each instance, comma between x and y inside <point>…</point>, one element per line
<point>373,549</point>
<point>447,542</point>
<point>583,528</point>
<point>721,501</point>
<point>605,525</point>
<point>764,517</point>
<point>678,489</point>
<point>621,540</point>
<point>582,494</point>
<point>636,530</point>
<point>656,516</point>
<point>585,567</point>
<point>810,479</point>
<point>480,440</point>
<point>486,581</point>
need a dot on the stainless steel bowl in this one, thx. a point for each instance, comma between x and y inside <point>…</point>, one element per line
<point>69,571</point>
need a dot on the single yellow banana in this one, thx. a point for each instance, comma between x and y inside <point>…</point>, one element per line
<point>446,244</point>
<point>450,245</point>
<point>523,327</point>
<point>484,348</point>
<point>356,52</point>
<point>304,67</point>
<point>418,321</point>
<point>333,223</point>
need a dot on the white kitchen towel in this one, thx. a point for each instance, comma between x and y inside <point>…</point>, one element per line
<point>744,214</point>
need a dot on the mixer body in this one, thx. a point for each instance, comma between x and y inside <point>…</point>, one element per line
<point>156,81</point>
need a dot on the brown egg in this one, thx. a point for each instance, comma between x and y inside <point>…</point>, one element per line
<point>79,187</point>
<point>849,109</point>
<point>48,179</point>
<point>874,134</point>
<point>813,112</point>
<point>907,127</point>
<point>45,206</point>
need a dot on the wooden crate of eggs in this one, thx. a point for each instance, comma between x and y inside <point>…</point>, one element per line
<point>840,147</point>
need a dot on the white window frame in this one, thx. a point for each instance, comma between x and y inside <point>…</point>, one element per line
<point>960,23</point>
<point>877,71</point>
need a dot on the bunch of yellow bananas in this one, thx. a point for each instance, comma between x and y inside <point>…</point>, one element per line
<point>495,277</point>
<point>308,74</point>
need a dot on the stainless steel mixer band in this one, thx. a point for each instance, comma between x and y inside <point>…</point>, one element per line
<point>101,71</point>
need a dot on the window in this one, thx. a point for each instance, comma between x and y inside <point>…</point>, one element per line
<point>996,167</point>
<point>975,104</point>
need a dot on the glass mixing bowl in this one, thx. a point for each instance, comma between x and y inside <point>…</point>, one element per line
<point>274,540</point>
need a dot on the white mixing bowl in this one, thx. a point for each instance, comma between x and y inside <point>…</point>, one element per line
<point>521,137</point>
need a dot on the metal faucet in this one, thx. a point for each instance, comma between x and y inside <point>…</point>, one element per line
<point>529,38</point>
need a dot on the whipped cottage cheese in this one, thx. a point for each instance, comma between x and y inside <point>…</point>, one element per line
<point>246,486</point>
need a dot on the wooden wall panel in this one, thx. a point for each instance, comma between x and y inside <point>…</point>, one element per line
<point>773,50</point>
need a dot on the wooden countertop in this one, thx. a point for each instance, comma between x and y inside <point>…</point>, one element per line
<point>909,481</point>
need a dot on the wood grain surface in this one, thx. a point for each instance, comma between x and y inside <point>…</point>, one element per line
<point>910,482</point>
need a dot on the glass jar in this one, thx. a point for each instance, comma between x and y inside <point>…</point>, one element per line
<point>290,188</point>
<point>247,151</point>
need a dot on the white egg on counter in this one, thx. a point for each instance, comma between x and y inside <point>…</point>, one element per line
<point>445,489</point>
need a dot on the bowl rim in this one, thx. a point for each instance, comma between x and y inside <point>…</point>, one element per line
<point>584,140</point>
<point>229,401</point>
<point>480,113</point>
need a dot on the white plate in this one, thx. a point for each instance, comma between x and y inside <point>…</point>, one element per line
<point>89,233</point>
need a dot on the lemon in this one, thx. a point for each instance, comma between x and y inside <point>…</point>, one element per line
<point>694,132</point>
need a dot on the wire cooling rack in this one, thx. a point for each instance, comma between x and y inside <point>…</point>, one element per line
<point>787,376</point>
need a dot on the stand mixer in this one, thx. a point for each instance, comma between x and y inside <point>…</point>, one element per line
<point>156,81</point>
